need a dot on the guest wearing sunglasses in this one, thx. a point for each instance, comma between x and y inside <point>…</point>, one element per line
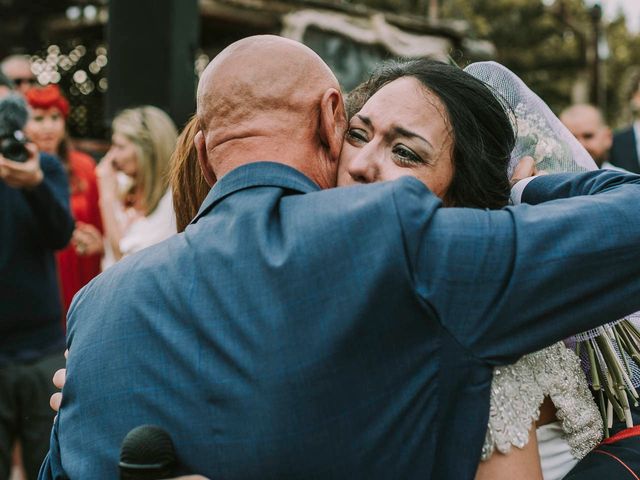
<point>18,69</point>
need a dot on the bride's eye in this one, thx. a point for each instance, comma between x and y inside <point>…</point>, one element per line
<point>357,136</point>
<point>406,157</point>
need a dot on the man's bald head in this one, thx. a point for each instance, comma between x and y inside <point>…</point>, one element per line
<point>257,76</point>
<point>586,123</point>
<point>262,91</point>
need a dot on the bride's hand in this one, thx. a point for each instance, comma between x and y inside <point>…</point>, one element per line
<point>526,168</point>
<point>59,378</point>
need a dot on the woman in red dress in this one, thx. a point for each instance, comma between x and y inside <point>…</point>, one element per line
<point>79,262</point>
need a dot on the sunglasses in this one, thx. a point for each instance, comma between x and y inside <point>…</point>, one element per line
<point>20,81</point>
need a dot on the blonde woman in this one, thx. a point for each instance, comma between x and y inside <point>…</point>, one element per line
<point>135,201</point>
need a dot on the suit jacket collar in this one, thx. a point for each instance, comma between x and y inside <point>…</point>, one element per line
<point>258,174</point>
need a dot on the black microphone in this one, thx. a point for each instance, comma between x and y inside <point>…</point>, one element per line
<point>147,453</point>
<point>13,116</point>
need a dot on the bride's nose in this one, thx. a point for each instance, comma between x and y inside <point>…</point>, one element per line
<point>364,167</point>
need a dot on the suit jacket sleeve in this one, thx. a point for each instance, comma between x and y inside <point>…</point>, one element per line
<point>49,203</point>
<point>51,468</point>
<point>565,185</point>
<point>509,282</point>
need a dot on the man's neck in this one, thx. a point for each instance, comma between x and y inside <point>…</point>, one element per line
<point>308,161</point>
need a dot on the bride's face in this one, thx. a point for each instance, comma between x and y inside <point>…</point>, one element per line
<point>402,130</point>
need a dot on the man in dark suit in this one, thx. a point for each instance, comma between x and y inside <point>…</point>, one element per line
<point>625,151</point>
<point>299,331</point>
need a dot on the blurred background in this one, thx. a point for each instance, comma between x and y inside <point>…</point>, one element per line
<point>111,54</point>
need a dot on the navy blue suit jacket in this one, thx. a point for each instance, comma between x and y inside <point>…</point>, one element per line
<point>345,333</point>
<point>624,150</point>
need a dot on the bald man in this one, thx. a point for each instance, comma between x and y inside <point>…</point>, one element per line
<point>295,331</point>
<point>585,122</point>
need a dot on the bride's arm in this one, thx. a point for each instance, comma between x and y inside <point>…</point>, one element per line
<point>521,463</point>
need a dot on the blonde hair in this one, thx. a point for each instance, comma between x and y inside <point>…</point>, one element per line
<point>154,135</point>
<point>188,185</point>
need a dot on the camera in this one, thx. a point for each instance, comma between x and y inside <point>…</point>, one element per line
<point>13,116</point>
<point>12,146</point>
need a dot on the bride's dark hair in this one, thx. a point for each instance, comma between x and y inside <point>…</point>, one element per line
<point>482,133</point>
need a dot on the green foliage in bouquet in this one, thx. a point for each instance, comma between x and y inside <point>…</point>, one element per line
<point>613,353</point>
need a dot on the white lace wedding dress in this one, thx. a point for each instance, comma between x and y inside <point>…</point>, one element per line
<point>517,392</point>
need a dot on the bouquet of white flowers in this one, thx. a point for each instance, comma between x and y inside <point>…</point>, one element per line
<point>535,139</point>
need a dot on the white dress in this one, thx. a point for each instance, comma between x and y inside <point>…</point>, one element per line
<point>517,392</point>
<point>152,229</point>
<point>142,232</point>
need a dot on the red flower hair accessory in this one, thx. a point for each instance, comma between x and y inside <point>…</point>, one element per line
<point>48,97</point>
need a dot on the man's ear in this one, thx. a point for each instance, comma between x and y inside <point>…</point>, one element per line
<point>333,122</point>
<point>201,151</point>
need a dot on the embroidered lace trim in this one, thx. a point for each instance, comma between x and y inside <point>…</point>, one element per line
<point>518,390</point>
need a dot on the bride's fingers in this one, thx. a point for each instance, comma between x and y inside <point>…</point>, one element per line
<point>59,378</point>
<point>525,168</point>
<point>55,401</point>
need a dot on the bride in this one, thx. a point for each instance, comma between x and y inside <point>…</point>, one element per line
<point>569,425</point>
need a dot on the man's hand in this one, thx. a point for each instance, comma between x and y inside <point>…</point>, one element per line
<point>526,168</point>
<point>26,174</point>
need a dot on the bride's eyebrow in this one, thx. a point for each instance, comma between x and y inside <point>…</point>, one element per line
<point>409,134</point>
<point>366,120</point>
<point>397,130</point>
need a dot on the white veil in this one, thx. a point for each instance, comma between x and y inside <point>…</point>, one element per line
<point>539,132</point>
<point>613,350</point>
